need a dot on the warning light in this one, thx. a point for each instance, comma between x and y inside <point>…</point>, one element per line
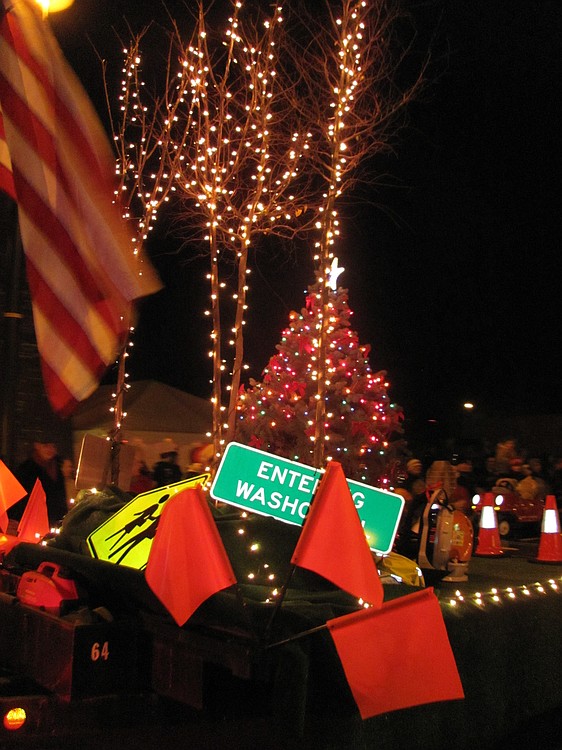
<point>15,718</point>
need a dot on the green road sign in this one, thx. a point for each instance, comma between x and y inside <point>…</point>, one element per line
<point>273,486</point>
<point>126,537</point>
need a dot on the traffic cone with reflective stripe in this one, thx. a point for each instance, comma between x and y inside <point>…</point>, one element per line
<point>550,545</point>
<point>489,544</point>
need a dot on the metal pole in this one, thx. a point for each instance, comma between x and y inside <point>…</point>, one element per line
<point>11,324</point>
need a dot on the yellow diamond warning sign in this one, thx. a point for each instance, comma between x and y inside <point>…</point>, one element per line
<point>126,537</point>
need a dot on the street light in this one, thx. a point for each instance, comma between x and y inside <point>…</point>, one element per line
<point>53,6</point>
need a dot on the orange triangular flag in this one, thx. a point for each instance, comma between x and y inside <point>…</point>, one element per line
<point>333,543</point>
<point>10,492</point>
<point>34,524</point>
<point>397,656</point>
<point>187,562</point>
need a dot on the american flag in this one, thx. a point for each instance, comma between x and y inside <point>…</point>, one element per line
<point>6,176</point>
<point>55,160</point>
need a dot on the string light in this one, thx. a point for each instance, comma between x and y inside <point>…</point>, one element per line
<point>498,596</point>
<point>144,183</point>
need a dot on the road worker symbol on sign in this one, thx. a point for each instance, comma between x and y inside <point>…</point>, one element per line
<point>151,516</point>
<point>126,537</point>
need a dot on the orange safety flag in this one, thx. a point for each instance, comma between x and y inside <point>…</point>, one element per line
<point>82,272</point>
<point>34,524</point>
<point>397,656</point>
<point>187,562</point>
<point>332,542</point>
<point>10,492</point>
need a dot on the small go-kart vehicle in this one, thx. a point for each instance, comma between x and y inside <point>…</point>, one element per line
<point>514,513</point>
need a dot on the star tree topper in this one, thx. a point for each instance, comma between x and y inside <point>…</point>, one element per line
<point>335,272</point>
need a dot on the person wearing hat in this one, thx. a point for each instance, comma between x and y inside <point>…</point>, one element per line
<point>414,482</point>
<point>44,464</point>
<point>466,482</point>
<point>167,470</point>
<point>517,468</point>
<point>201,456</point>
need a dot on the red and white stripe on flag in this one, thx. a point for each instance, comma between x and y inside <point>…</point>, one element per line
<point>81,269</point>
<point>6,177</point>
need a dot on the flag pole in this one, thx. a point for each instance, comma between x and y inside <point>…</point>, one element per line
<point>279,602</point>
<point>297,636</point>
<point>243,605</point>
<point>281,597</point>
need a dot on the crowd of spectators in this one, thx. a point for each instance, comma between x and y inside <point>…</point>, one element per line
<point>532,476</point>
<point>57,475</point>
<point>167,470</point>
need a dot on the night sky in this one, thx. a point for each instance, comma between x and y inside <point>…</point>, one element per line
<point>452,260</point>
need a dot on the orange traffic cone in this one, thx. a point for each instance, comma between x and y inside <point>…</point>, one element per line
<point>550,545</point>
<point>489,544</point>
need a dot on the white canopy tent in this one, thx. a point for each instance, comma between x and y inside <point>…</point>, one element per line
<point>156,415</point>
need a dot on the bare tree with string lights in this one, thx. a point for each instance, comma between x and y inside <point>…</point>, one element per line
<point>275,129</point>
<point>141,137</point>
<point>264,129</point>
<point>350,67</point>
<point>239,156</point>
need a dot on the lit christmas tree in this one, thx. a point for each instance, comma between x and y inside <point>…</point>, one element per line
<point>363,427</point>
